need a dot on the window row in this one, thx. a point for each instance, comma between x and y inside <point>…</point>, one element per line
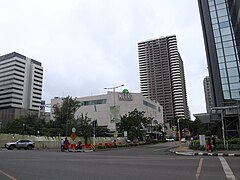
<point>234,79</point>
<point>224,31</point>
<point>229,72</point>
<point>228,65</point>
<point>227,51</point>
<point>235,94</point>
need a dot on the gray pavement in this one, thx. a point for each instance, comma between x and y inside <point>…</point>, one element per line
<point>184,150</point>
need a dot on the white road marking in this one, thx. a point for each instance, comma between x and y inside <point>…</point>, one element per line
<point>227,169</point>
<point>10,177</point>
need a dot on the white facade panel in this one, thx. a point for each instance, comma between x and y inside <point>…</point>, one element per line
<point>102,112</point>
<point>16,82</point>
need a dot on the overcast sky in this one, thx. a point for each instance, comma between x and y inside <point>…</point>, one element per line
<point>87,45</point>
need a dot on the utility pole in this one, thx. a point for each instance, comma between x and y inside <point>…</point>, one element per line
<point>179,135</point>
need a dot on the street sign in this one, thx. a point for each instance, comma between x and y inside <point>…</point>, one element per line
<point>73,136</point>
<point>73,129</point>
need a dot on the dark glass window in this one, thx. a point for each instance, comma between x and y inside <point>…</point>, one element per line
<point>235,86</point>
<point>230,58</point>
<point>212,8</point>
<point>215,26</point>
<point>216,33</point>
<point>221,6</point>
<point>218,45</point>
<point>225,31</point>
<point>222,66</point>
<point>224,80</point>
<point>214,20</point>
<point>225,87</point>
<point>232,71</point>
<point>227,43</point>
<point>227,38</point>
<point>220,1</point>
<point>223,73</point>
<point>231,64</point>
<point>211,3</point>
<point>235,94</point>
<point>219,52</point>
<point>213,14</point>
<point>222,19</point>
<point>221,59</point>
<point>229,51</point>
<point>226,94</point>
<point>234,79</point>
<point>217,39</point>
<point>224,24</point>
<point>222,12</point>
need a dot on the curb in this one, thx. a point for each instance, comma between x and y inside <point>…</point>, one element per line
<point>83,150</point>
<point>203,154</point>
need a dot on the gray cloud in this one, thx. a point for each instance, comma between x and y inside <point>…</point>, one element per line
<point>86,45</point>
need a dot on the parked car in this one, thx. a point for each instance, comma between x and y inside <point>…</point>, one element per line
<point>183,140</point>
<point>22,143</point>
<point>170,139</point>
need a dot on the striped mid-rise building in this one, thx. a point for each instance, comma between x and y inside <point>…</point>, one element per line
<point>21,80</point>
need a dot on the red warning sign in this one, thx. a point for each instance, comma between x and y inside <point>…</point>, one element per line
<point>73,136</point>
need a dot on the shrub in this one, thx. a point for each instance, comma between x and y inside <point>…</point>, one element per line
<point>233,144</point>
<point>101,147</point>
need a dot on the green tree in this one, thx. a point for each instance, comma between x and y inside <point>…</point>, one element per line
<point>134,122</point>
<point>84,127</point>
<point>64,114</point>
<point>29,124</point>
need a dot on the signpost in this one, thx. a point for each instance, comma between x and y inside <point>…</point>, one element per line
<point>73,135</point>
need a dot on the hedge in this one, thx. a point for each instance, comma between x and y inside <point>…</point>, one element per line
<point>233,144</point>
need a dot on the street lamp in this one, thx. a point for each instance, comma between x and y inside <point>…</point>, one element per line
<point>114,101</point>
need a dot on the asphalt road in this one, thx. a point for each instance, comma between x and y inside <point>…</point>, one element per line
<point>140,163</point>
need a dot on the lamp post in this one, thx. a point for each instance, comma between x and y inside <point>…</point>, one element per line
<point>114,101</point>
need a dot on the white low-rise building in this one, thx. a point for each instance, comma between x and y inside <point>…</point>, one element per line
<point>108,108</point>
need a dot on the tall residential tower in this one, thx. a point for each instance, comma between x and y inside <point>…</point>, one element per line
<point>162,76</point>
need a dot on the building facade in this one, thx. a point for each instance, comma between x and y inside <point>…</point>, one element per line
<point>221,30</point>
<point>162,76</point>
<point>101,107</point>
<point>207,92</point>
<point>21,80</point>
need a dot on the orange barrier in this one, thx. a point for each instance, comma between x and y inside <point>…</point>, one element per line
<point>73,146</point>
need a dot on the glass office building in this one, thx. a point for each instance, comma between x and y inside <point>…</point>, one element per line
<point>221,31</point>
<point>221,23</point>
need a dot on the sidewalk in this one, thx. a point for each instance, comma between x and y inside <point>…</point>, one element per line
<point>189,152</point>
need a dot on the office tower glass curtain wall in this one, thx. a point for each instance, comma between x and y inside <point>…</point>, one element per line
<point>226,46</point>
<point>225,41</point>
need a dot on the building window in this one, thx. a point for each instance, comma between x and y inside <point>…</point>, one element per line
<point>233,72</point>
<point>229,51</point>
<point>222,12</point>
<point>235,86</point>
<point>226,94</point>
<point>228,44</point>
<point>234,79</point>
<point>225,31</point>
